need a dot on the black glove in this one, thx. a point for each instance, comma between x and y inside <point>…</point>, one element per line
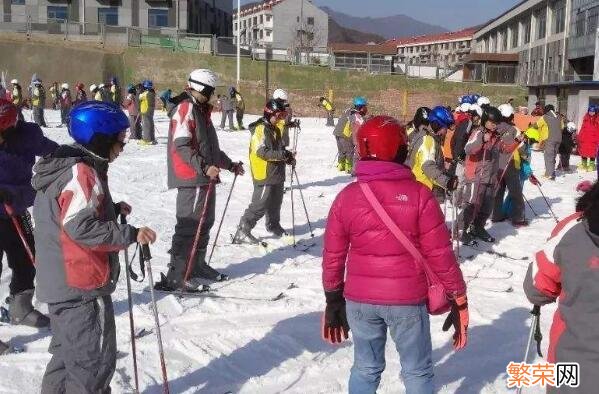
<point>237,168</point>
<point>5,196</point>
<point>335,328</point>
<point>452,183</point>
<point>289,158</point>
<point>294,123</point>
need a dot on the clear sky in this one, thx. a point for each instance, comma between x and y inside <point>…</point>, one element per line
<point>451,14</point>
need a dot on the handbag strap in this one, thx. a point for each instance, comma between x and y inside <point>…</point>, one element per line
<point>401,237</point>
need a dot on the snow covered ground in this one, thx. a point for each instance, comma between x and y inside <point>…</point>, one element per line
<point>248,343</point>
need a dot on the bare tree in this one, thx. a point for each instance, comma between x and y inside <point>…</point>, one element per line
<point>305,37</point>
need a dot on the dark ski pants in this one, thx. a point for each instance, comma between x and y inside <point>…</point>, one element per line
<point>564,161</point>
<point>477,205</point>
<point>83,347</point>
<point>345,146</point>
<point>134,127</point>
<point>23,272</point>
<point>511,182</point>
<point>227,114</point>
<point>190,203</point>
<point>550,155</point>
<point>239,115</point>
<point>147,124</point>
<point>38,116</point>
<point>266,200</point>
<point>64,115</point>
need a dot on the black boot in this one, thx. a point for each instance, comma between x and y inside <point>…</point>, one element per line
<point>4,348</point>
<point>244,235</point>
<point>482,234</point>
<point>203,272</point>
<point>21,311</point>
<point>468,238</point>
<point>277,230</point>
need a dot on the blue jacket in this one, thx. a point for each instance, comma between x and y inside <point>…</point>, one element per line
<point>17,156</point>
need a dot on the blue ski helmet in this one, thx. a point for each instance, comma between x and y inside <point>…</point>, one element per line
<point>593,108</point>
<point>441,116</point>
<point>96,117</point>
<point>360,101</point>
<point>147,84</point>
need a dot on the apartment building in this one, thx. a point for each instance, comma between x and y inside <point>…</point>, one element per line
<point>557,43</point>
<point>192,16</point>
<point>282,24</point>
<point>445,49</point>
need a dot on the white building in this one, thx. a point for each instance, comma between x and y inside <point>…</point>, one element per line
<point>282,24</point>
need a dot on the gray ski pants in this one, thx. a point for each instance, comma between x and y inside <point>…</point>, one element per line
<point>266,200</point>
<point>511,182</point>
<point>477,205</point>
<point>147,124</point>
<point>38,116</point>
<point>134,127</point>
<point>64,115</point>
<point>190,203</point>
<point>345,146</point>
<point>227,114</point>
<point>550,154</point>
<point>83,347</point>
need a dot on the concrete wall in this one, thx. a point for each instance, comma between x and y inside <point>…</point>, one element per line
<point>286,24</point>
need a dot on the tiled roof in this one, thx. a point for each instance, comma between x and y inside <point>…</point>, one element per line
<point>257,6</point>
<point>379,49</point>
<point>431,38</point>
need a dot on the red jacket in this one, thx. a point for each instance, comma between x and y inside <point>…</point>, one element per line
<point>360,252</point>
<point>588,136</point>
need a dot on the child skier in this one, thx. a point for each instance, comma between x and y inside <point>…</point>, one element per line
<point>350,121</point>
<point>371,281</point>
<point>78,238</point>
<point>588,139</point>
<point>66,103</point>
<point>566,147</point>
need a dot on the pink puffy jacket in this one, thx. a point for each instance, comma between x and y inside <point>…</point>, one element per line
<point>379,269</point>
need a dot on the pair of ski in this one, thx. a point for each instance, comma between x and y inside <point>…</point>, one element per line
<point>208,292</point>
<point>265,247</point>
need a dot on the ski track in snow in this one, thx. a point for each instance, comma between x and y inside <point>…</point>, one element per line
<point>250,346</point>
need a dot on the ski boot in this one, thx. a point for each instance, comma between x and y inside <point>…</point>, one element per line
<point>468,238</point>
<point>341,165</point>
<point>244,234</point>
<point>592,167</point>
<point>4,348</point>
<point>203,272</point>
<point>348,166</point>
<point>21,311</point>
<point>520,223</point>
<point>482,234</point>
<point>277,230</point>
<point>582,167</point>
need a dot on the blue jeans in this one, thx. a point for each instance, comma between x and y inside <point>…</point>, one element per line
<point>410,329</point>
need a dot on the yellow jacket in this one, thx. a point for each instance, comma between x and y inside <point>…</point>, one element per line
<point>144,103</point>
<point>425,152</point>
<point>267,153</point>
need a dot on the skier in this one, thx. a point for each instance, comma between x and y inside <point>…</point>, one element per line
<point>132,106</point>
<point>104,93</point>
<point>550,134</point>
<point>227,110</point>
<point>329,108</point>
<point>565,270</point>
<point>38,102</point>
<point>16,96</point>
<point>20,143</point>
<point>55,95</point>
<point>343,133</point>
<point>165,97</point>
<point>371,280</point>
<point>588,139</point>
<point>481,168</point>
<point>194,161</point>
<point>239,107</point>
<point>568,144</point>
<point>509,172</point>
<point>115,91</point>
<point>66,103</point>
<point>268,157</point>
<point>425,156</point>
<point>80,95</point>
<point>147,103</point>
<point>95,92</point>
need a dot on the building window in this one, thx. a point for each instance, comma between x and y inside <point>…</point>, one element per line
<point>593,16</point>
<point>261,19</point>
<point>310,21</point>
<point>159,18</point>
<point>515,35</point>
<point>17,2</point>
<point>503,41</point>
<point>261,34</point>
<point>255,20</point>
<point>108,16</point>
<point>57,13</point>
<point>559,17</point>
<point>579,24</point>
<point>268,18</point>
<point>267,33</point>
<point>541,18</point>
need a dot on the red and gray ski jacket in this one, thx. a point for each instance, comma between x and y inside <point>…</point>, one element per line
<point>77,236</point>
<point>192,145</point>
<point>567,270</point>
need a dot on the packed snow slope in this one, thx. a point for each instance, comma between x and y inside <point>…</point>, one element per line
<point>248,343</point>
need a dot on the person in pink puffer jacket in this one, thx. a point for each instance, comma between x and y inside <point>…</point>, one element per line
<point>366,265</point>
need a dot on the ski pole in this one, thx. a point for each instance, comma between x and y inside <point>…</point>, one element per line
<point>131,322</point>
<point>535,334</point>
<point>547,202</point>
<point>222,218</point>
<point>147,257</point>
<point>196,240</point>
<point>10,212</point>
<point>292,208</point>
<point>336,159</point>
<point>530,206</point>
<point>303,202</point>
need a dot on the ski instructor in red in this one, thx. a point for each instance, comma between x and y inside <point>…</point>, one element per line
<point>194,162</point>
<point>365,264</point>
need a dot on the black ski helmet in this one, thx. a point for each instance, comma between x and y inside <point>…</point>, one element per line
<point>492,114</point>
<point>421,117</point>
<point>549,108</point>
<point>273,106</point>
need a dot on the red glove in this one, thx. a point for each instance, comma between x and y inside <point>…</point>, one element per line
<point>459,318</point>
<point>533,179</point>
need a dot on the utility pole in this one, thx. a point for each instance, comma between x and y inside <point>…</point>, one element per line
<point>238,42</point>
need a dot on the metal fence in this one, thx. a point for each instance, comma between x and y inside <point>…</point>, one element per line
<point>491,73</point>
<point>378,64</point>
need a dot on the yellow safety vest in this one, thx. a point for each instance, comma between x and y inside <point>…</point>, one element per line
<point>35,100</point>
<point>144,105</point>
<point>426,152</point>
<point>258,164</point>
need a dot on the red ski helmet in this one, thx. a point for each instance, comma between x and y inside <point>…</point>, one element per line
<point>8,114</point>
<point>381,138</point>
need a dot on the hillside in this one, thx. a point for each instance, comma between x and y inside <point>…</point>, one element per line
<point>338,33</point>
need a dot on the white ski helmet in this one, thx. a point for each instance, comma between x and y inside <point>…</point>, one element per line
<point>464,107</point>
<point>280,94</point>
<point>203,81</point>
<point>571,127</point>
<point>483,101</point>
<point>506,110</point>
<point>101,86</point>
<point>476,109</point>
<point>14,81</point>
<point>64,86</point>
<point>92,87</point>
